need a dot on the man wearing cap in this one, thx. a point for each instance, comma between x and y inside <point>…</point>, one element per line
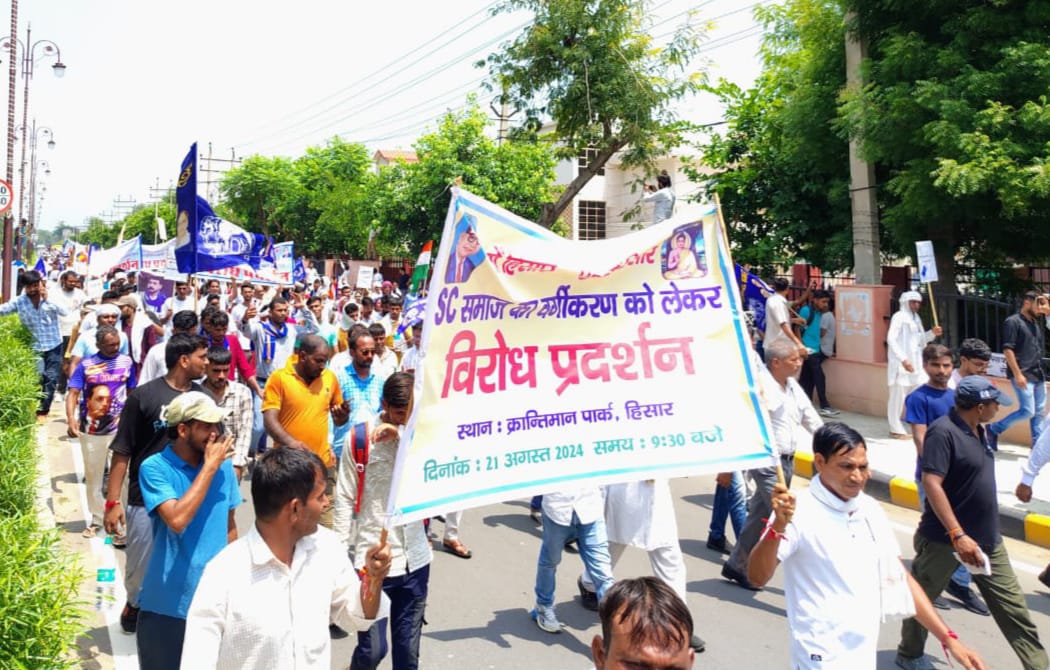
<point>958,473</point>
<point>190,491</point>
<point>905,341</point>
<point>1024,344</point>
<point>135,328</point>
<point>105,315</point>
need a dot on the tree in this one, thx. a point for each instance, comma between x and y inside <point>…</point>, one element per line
<point>409,201</point>
<point>140,221</point>
<point>593,69</point>
<point>955,114</point>
<point>781,169</point>
<point>311,200</point>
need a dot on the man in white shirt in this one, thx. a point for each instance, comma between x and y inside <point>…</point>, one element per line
<point>176,303</point>
<point>842,569</point>
<point>266,600</point>
<point>793,421</point>
<point>778,317</point>
<point>905,341</point>
<point>71,298</point>
<point>579,514</point>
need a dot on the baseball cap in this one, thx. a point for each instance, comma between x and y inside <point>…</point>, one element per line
<point>127,301</point>
<point>978,389</point>
<point>193,406</point>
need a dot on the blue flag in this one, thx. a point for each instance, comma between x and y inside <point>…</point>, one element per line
<point>40,266</point>
<point>413,311</point>
<point>204,241</point>
<point>299,271</point>
<point>755,293</point>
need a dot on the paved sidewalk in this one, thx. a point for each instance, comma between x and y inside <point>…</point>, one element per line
<point>893,474</point>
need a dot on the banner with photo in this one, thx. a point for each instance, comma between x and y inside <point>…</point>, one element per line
<point>550,364</point>
<point>276,273</point>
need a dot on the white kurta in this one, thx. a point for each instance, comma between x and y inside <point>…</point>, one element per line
<point>905,341</point>
<point>641,514</point>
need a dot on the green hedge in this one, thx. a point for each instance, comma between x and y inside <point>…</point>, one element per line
<point>40,608</point>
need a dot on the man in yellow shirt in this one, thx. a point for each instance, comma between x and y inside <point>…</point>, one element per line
<point>298,401</point>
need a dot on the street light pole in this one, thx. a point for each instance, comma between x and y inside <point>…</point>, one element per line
<point>12,80</point>
<point>59,68</point>
<point>30,225</point>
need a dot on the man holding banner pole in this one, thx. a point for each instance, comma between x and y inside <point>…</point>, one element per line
<point>794,421</point>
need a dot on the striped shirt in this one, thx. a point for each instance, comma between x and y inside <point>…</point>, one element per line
<point>41,321</point>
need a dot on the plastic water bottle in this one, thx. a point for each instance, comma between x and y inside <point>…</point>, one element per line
<point>106,577</point>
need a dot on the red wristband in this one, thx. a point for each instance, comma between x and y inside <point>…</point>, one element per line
<point>110,504</point>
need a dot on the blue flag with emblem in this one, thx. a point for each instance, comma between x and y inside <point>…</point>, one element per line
<point>755,293</point>
<point>204,241</point>
<point>299,271</point>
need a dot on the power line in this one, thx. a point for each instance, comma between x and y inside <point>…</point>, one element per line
<point>397,91</point>
<point>356,95</point>
<point>349,87</point>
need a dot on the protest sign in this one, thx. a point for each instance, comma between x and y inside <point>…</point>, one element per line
<point>549,364</point>
<point>277,273</point>
<point>127,256</point>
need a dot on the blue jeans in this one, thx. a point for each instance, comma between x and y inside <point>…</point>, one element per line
<point>760,507</point>
<point>961,576</point>
<point>52,370</point>
<point>594,551</point>
<point>408,600</point>
<point>730,503</point>
<point>257,443</point>
<point>1031,403</point>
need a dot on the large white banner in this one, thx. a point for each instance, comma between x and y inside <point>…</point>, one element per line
<point>127,256</point>
<point>548,364</point>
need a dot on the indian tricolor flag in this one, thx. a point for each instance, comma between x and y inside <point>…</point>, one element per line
<point>419,274</point>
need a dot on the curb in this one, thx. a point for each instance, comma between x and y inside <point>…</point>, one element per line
<point>1014,523</point>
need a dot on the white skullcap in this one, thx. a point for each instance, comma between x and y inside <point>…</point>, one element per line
<point>909,296</point>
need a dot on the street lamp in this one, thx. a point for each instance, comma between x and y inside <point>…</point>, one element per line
<point>30,50</point>
<point>46,167</point>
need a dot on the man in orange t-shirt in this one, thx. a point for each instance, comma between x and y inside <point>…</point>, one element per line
<point>298,400</point>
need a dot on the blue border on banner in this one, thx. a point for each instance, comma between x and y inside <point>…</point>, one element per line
<point>580,477</point>
<point>535,230</point>
<point>734,296</point>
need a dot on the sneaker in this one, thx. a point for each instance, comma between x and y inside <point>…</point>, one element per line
<point>920,663</point>
<point>697,645</point>
<point>545,619</point>
<point>129,619</point>
<point>829,411</point>
<point>940,603</point>
<point>588,598</point>
<point>1044,576</point>
<point>738,577</point>
<point>120,541</point>
<point>970,600</point>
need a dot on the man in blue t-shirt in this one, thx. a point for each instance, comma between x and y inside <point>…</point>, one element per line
<point>922,407</point>
<point>190,491</point>
<point>812,334</point>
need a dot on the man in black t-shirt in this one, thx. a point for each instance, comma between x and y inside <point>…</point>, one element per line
<point>1024,344</point>
<point>960,517</point>
<point>141,433</point>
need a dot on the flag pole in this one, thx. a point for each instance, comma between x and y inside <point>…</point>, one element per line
<point>729,258</point>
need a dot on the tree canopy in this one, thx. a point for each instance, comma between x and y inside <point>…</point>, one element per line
<point>594,70</point>
<point>953,114</point>
<point>410,200</point>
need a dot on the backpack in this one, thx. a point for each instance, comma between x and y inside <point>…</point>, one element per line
<point>360,446</point>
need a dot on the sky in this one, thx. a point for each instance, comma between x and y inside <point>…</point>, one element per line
<point>144,80</point>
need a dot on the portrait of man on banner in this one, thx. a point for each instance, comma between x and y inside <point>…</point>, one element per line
<point>684,254</point>
<point>154,290</point>
<point>466,253</point>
